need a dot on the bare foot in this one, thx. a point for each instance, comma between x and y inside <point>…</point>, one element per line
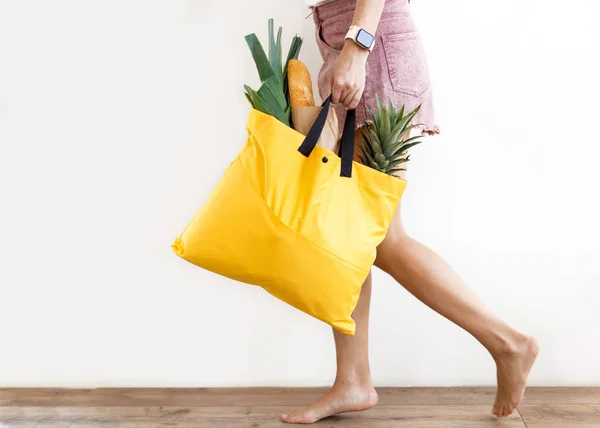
<point>512,371</point>
<point>339,399</point>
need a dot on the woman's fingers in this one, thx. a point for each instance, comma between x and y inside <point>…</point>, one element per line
<point>345,93</point>
<point>337,91</point>
<point>348,96</point>
<point>355,100</point>
<point>352,98</point>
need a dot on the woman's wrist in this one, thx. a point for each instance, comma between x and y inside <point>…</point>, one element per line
<point>356,51</point>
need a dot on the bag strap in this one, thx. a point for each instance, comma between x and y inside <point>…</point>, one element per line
<point>346,151</point>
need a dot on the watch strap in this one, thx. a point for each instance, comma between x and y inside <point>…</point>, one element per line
<point>352,34</point>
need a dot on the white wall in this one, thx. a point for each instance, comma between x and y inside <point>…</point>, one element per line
<point>118,117</point>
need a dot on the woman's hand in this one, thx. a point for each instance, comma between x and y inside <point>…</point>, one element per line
<point>348,81</point>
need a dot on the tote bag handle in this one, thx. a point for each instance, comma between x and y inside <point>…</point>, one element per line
<point>346,151</point>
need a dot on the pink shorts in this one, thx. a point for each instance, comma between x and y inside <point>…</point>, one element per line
<point>396,69</point>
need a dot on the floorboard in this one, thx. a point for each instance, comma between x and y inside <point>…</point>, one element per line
<point>465,407</point>
<point>561,415</point>
<point>401,416</point>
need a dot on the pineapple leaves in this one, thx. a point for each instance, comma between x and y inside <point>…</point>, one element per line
<point>417,138</point>
<point>384,119</point>
<point>402,146</point>
<point>369,161</point>
<point>401,112</point>
<point>363,153</point>
<point>405,147</point>
<point>374,142</point>
<point>396,162</point>
<point>407,131</point>
<point>386,137</point>
<point>373,164</point>
<point>394,171</point>
<point>374,120</point>
<point>409,117</point>
<point>379,106</point>
<point>391,112</point>
<point>366,141</point>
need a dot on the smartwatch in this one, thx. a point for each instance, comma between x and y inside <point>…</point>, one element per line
<point>361,37</point>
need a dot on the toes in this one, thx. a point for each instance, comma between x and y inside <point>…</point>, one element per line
<point>497,409</point>
<point>500,411</point>
<point>292,418</point>
<point>299,418</point>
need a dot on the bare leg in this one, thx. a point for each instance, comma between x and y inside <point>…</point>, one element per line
<point>352,389</point>
<point>431,280</point>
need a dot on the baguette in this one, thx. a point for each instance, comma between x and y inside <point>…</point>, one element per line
<point>300,84</point>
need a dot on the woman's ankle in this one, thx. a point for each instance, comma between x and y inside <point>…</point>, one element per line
<point>353,381</point>
<point>507,343</point>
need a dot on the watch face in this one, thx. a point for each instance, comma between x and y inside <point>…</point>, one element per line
<point>365,38</point>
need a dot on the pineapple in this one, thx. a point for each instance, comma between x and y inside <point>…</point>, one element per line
<point>386,138</point>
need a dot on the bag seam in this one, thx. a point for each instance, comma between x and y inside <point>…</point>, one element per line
<point>289,228</point>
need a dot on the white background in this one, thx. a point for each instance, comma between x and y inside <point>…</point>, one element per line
<point>117,118</point>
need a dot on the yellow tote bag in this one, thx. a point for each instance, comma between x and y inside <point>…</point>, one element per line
<point>296,219</point>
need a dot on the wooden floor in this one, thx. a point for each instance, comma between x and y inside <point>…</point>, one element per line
<point>261,407</point>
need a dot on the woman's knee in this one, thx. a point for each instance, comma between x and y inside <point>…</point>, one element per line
<point>395,239</point>
<point>396,232</point>
<point>391,248</point>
